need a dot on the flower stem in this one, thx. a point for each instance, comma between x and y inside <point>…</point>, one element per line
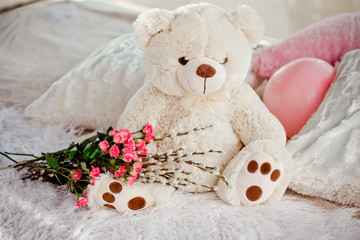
<point>137,132</point>
<point>22,162</point>
<point>8,157</point>
<point>21,154</point>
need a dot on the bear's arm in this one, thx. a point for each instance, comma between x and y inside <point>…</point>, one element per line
<point>142,108</point>
<point>251,120</point>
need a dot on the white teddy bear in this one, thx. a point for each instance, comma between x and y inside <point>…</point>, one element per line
<point>196,58</point>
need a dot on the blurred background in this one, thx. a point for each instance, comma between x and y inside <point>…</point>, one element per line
<point>282,17</point>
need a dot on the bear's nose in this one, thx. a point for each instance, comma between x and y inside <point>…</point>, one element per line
<point>205,71</point>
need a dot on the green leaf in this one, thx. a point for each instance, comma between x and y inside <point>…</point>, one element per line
<point>72,145</point>
<point>101,136</point>
<point>108,130</point>
<point>95,153</point>
<point>88,141</point>
<point>51,161</point>
<point>90,145</point>
<point>112,161</point>
<point>88,152</point>
<point>87,158</point>
<point>72,153</point>
<point>83,166</point>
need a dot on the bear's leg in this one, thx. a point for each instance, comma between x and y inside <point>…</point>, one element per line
<point>260,173</point>
<point>116,194</point>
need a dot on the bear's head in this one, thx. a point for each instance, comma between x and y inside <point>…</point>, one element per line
<point>198,48</point>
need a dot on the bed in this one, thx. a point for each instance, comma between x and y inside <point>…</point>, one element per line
<point>42,42</point>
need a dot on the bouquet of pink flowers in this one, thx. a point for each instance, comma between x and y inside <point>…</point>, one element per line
<point>119,152</point>
<point>122,153</point>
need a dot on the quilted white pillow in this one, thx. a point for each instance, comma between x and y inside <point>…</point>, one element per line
<point>95,92</point>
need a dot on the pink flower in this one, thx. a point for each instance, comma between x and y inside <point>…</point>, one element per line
<point>120,172</point>
<point>148,129</point>
<point>134,174</point>
<point>95,172</point>
<point>113,132</point>
<point>104,145</point>
<point>130,143</point>
<point>76,175</point>
<point>127,150</point>
<point>138,166</point>
<point>81,202</point>
<point>130,180</point>
<point>140,144</point>
<point>85,193</point>
<point>141,147</point>
<point>92,181</point>
<point>114,151</point>
<point>149,137</point>
<point>130,156</point>
<point>125,133</point>
<point>118,138</point>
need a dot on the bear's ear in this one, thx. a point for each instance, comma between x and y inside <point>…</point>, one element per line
<point>150,23</point>
<point>249,21</point>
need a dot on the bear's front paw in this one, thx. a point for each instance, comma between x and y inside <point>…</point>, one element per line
<point>258,178</point>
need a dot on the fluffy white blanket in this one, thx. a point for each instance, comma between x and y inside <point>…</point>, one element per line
<point>327,149</point>
<point>40,210</point>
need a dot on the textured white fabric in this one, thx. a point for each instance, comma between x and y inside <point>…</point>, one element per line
<point>42,211</point>
<point>42,42</point>
<point>327,149</point>
<point>96,91</point>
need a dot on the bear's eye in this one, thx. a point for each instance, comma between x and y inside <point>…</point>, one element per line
<point>224,60</point>
<point>183,61</point>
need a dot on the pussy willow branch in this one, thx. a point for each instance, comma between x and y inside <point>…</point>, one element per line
<point>151,165</point>
<point>182,133</point>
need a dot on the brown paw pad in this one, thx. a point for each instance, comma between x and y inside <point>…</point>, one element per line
<point>109,206</point>
<point>275,175</point>
<point>115,187</point>
<point>137,203</point>
<point>253,193</point>
<point>108,197</point>
<point>265,168</point>
<point>252,166</point>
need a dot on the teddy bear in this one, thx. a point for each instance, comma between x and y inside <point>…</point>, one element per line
<point>196,58</point>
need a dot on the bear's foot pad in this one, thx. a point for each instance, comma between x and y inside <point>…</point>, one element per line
<point>258,178</point>
<point>134,204</point>
<point>112,194</point>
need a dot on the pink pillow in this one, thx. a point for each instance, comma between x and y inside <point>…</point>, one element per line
<point>327,39</point>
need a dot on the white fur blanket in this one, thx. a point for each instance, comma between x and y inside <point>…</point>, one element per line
<point>40,210</point>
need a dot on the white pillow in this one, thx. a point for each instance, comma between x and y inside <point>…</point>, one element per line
<point>95,92</point>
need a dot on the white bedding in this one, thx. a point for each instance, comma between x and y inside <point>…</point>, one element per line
<point>33,54</point>
<point>42,42</point>
<point>327,149</point>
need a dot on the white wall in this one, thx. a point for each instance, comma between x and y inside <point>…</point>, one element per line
<point>282,17</point>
